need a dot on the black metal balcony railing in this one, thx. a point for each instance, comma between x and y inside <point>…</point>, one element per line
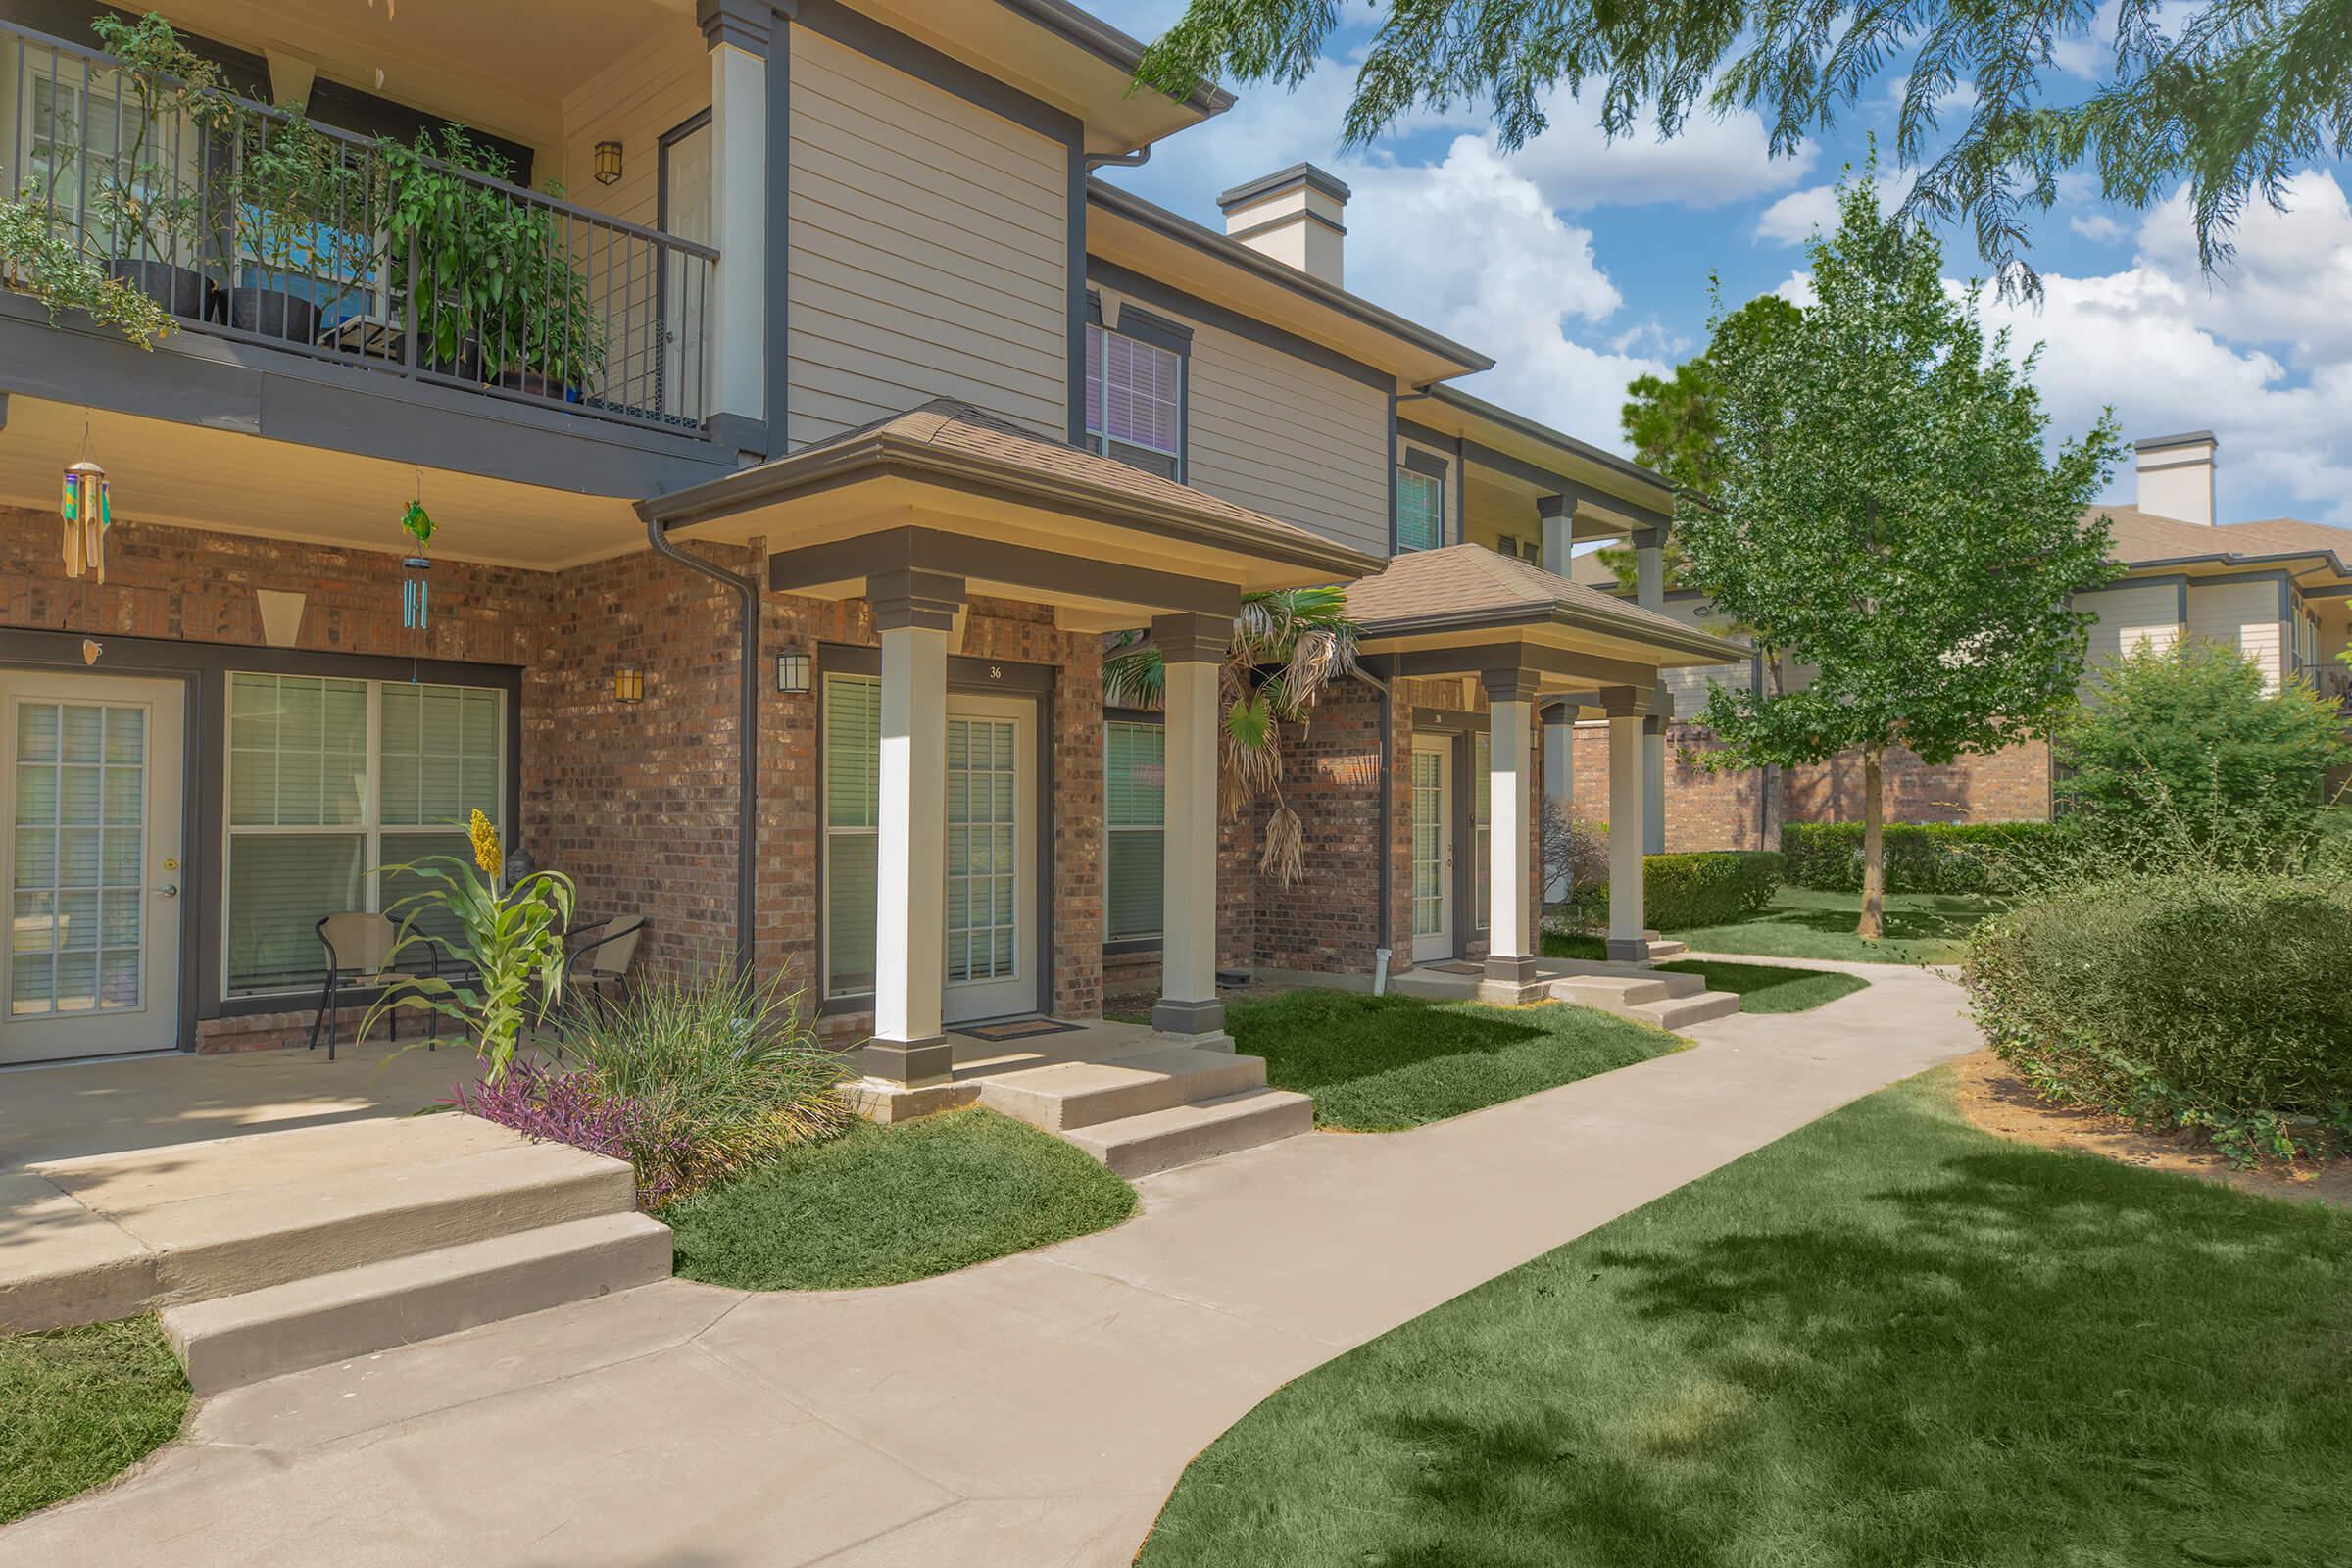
<point>2329,680</point>
<point>257,224</point>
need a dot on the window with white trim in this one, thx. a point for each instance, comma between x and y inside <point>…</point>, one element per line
<point>1135,825</point>
<point>329,781</point>
<point>853,781</point>
<point>1420,510</point>
<point>1482,826</point>
<point>1135,402</point>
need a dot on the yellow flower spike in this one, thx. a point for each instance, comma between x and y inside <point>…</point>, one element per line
<point>486,852</point>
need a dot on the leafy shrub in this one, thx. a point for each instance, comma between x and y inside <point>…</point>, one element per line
<point>1707,887</point>
<point>724,1069</point>
<point>2191,726</point>
<point>1920,857</point>
<point>2191,998</point>
<point>569,1106</point>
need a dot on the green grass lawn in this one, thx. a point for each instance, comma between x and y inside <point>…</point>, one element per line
<point>1920,928</point>
<point>1760,987</point>
<point>879,1206</point>
<point>1377,1064</point>
<point>1887,1340</point>
<point>81,1405</point>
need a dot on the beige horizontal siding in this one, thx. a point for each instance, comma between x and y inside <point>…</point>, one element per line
<point>2243,616</point>
<point>1690,686</point>
<point>928,251</point>
<point>2131,614</point>
<point>1283,435</point>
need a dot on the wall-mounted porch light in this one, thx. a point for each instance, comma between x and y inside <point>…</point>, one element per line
<point>628,685</point>
<point>792,672</point>
<point>608,161</point>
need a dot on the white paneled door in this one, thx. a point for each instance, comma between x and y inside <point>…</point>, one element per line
<point>991,858</point>
<point>1433,848</point>
<point>92,865</point>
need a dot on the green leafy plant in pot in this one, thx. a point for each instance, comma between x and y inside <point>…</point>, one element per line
<point>147,215</point>
<point>42,258</point>
<point>545,337</point>
<point>296,188</point>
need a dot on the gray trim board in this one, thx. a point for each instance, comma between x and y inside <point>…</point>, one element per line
<point>777,372</point>
<point>1159,331</point>
<point>1282,179</point>
<point>1426,464</point>
<point>1414,430</point>
<point>2186,438</point>
<point>746,24</point>
<point>1085,305</point>
<point>1168,297</point>
<point>1558,662</point>
<point>1461,491</point>
<point>1494,411</point>
<point>963,556</point>
<point>1284,222</point>
<point>218,384</point>
<point>1391,467</point>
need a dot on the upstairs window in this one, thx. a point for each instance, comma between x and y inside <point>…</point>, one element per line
<point>1420,510</point>
<point>1520,548</point>
<point>1135,402</point>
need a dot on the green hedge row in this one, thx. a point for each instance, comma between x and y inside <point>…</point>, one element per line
<point>1711,886</point>
<point>2202,1000</point>
<point>1920,857</point>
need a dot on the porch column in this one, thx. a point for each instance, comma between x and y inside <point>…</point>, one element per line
<point>914,610</point>
<point>1649,592</point>
<point>738,33</point>
<point>1629,941</point>
<point>1649,569</point>
<point>1559,783</point>
<point>1556,517</point>
<point>1511,804</point>
<point>1192,647</point>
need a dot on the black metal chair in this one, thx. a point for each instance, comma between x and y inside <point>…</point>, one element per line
<point>358,948</point>
<point>603,957</point>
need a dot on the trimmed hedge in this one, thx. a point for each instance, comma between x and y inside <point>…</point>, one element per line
<point>1708,887</point>
<point>2201,1000</point>
<point>1920,857</point>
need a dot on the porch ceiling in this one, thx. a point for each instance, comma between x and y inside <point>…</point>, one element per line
<point>226,482</point>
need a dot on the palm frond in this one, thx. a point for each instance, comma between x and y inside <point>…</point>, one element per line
<point>1283,857</point>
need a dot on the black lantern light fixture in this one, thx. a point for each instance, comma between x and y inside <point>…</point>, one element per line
<point>792,672</point>
<point>608,161</point>
<point>628,684</point>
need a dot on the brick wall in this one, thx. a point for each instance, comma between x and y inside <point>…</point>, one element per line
<point>1704,809</point>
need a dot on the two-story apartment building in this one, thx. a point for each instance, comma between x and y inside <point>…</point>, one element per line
<point>2278,590</point>
<point>785,491</point>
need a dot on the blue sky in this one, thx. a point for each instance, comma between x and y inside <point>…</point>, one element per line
<point>1579,265</point>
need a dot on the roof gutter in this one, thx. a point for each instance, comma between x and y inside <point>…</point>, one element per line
<point>747,733</point>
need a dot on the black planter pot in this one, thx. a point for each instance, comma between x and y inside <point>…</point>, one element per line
<point>181,290</point>
<point>272,315</point>
<point>464,366</point>
<point>515,378</point>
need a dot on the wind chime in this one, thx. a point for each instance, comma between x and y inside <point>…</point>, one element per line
<point>88,513</point>
<point>416,587</point>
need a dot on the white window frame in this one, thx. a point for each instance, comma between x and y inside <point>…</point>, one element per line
<point>1097,368</point>
<point>825,835</point>
<point>1413,476</point>
<point>1153,937</point>
<point>371,829</point>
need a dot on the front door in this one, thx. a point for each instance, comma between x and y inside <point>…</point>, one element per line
<point>89,787</point>
<point>991,858</point>
<point>1433,848</point>
<point>686,303</point>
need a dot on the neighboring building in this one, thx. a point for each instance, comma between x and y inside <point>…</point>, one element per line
<point>2278,591</point>
<point>856,415</point>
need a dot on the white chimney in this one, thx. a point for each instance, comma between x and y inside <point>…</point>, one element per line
<point>1294,216</point>
<point>2176,476</point>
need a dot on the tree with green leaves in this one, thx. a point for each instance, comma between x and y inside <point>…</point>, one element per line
<point>1885,518</point>
<point>2189,732</point>
<point>2230,97</point>
<point>1289,645</point>
<point>1671,424</point>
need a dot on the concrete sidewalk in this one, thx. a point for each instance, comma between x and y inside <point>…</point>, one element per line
<point>1031,1411</point>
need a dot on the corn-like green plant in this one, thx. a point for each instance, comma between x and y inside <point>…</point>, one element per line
<point>508,943</point>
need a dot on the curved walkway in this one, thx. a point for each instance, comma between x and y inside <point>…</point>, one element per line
<point>1030,1411</point>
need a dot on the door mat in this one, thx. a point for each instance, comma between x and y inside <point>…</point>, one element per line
<point>1457,967</point>
<point>1017,1029</point>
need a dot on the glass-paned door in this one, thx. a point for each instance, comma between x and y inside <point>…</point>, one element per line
<point>89,787</point>
<point>991,858</point>
<point>1433,848</point>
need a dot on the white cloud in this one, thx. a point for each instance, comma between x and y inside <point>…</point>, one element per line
<point>2290,283</point>
<point>1713,161</point>
<point>1793,218</point>
<point>2097,227</point>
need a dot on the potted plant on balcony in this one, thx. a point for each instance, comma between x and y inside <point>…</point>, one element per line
<point>41,257</point>
<point>548,340</point>
<point>295,186</point>
<point>146,217</point>
<point>450,238</point>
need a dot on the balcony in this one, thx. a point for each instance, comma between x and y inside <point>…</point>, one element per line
<point>207,212</point>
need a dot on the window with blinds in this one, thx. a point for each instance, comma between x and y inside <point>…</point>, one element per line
<point>1482,825</point>
<point>1135,826</point>
<point>1420,510</point>
<point>1135,402</point>
<point>330,780</point>
<point>852,779</point>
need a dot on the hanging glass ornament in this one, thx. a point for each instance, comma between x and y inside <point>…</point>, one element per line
<point>416,586</point>
<point>88,512</point>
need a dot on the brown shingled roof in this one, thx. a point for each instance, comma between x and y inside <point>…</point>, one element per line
<point>1430,590</point>
<point>2142,538</point>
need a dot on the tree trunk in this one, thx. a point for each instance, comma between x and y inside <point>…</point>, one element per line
<point>1873,926</point>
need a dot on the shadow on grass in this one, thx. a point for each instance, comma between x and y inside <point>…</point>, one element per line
<point>1841,1355</point>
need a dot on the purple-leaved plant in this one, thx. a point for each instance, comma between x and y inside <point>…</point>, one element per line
<point>567,1107</point>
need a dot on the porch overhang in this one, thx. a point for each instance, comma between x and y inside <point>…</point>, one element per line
<point>949,491</point>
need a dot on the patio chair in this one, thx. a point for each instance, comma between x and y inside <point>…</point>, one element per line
<point>602,959</point>
<point>358,948</point>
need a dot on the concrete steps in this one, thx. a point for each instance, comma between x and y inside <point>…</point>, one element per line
<point>1156,1108</point>
<point>288,1249</point>
<point>1683,1011</point>
<point>1162,1140</point>
<point>1665,949</point>
<point>231,1341</point>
